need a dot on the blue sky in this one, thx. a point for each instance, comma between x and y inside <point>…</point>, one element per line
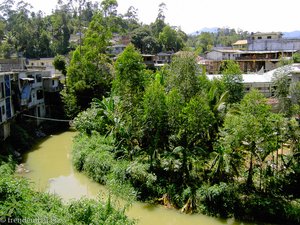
<point>192,15</point>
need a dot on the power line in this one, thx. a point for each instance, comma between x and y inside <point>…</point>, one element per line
<point>46,118</point>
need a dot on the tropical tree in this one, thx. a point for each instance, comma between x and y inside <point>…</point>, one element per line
<point>233,81</point>
<point>159,23</point>
<point>144,40</point>
<point>281,83</point>
<point>131,19</point>
<point>170,39</point>
<point>61,30</point>
<point>129,86</point>
<point>155,120</point>
<point>90,72</point>
<point>183,74</point>
<point>251,131</point>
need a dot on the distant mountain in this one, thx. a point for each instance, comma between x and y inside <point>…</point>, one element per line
<point>289,35</point>
<point>206,29</point>
<point>293,34</point>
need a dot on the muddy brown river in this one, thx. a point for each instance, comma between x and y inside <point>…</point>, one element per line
<point>51,170</point>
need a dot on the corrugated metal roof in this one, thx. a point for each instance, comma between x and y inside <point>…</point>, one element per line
<point>241,42</point>
<point>265,77</point>
<point>227,51</point>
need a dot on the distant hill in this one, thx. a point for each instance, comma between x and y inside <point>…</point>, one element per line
<point>206,29</point>
<point>292,34</point>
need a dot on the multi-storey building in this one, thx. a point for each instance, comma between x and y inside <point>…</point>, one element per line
<point>6,104</point>
<point>261,51</point>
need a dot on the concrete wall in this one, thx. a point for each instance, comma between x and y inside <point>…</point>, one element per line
<point>274,45</point>
<point>214,55</point>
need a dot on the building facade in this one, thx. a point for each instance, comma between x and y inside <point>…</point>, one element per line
<point>6,104</point>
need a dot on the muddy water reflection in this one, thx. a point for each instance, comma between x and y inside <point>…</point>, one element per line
<point>51,170</point>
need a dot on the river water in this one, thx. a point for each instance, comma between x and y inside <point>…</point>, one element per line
<point>51,170</point>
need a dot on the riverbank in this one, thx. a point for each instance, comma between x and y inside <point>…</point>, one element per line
<point>20,204</point>
<point>51,170</point>
<point>94,155</point>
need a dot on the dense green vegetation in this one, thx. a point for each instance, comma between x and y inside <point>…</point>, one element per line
<point>170,136</point>
<point>19,204</point>
<point>200,145</point>
<point>24,32</point>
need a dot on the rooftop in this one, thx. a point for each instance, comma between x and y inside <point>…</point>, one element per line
<point>241,42</point>
<point>265,77</point>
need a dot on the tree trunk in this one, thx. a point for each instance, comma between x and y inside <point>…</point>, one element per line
<point>250,173</point>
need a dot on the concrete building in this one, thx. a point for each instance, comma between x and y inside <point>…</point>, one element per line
<point>266,35</point>
<point>42,64</point>
<point>240,45</point>
<point>32,92</point>
<point>116,49</point>
<point>223,54</point>
<point>261,51</point>
<point>164,58</point>
<point>6,104</point>
<point>264,81</point>
<point>272,42</point>
<point>15,64</point>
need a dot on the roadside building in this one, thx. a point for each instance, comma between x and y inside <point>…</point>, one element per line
<point>240,45</point>
<point>6,104</point>
<point>42,64</point>
<point>32,92</point>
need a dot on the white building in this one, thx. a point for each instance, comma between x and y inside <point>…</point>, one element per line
<point>32,92</point>
<point>223,54</point>
<point>6,105</point>
<point>264,81</point>
<point>42,64</point>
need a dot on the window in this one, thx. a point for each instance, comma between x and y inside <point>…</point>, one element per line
<point>269,37</point>
<point>53,82</point>
<point>42,63</point>
<point>2,90</point>
<point>3,110</point>
<point>39,111</point>
<point>38,78</point>
<point>259,37</point>
<point>39,94</point>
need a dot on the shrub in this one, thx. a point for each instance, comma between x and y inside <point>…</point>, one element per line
<point>20,203</point>
<point>217,200</point>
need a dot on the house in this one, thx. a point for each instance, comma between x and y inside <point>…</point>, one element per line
<point>163,58</point>
<point>42,64</point>
<point>52,87</point>
<point>52,83</point>
<point>149,60</point>
<point>116,49</point>
<point>240,45</point>
<point>253,61</point>
<point>264,36</point>
<point>223,54</point>
<point>14,64</point>
<point>261,51</point>
<point>272,42</point>
<point>6,104</point>
<point>32,92</point>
